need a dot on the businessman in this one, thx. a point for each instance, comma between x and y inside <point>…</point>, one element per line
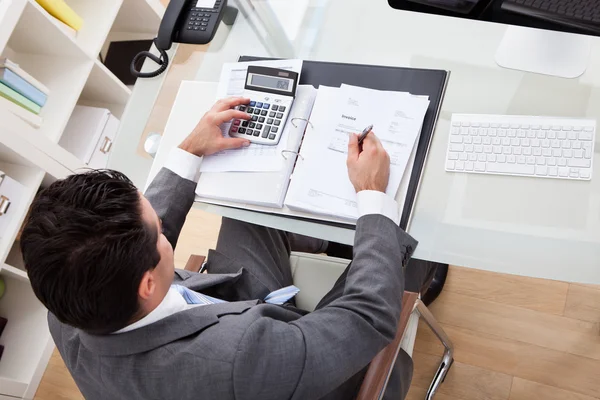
<point>129,326</point>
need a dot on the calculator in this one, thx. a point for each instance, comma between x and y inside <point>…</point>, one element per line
<point>271,92</point>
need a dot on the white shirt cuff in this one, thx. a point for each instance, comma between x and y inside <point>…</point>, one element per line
<point>374,202</point>
<point>184,164</point>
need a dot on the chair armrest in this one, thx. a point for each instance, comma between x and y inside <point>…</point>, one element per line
<point>376,378</point>
<point>194,263</point>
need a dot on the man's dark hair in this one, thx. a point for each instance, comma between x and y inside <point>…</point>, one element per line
<point>86,249</point>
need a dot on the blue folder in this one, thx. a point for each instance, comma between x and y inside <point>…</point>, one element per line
<point>21,86</point>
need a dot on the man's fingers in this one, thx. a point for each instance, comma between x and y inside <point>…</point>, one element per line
<point>353,149</point>
<point>229,102</point>
<point>371,141</point>
<point>228,115</point>
<point>233,143</point>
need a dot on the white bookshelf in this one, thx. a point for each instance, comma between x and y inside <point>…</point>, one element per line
<point>68,64</point>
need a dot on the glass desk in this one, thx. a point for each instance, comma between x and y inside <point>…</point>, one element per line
<point>535,227</point>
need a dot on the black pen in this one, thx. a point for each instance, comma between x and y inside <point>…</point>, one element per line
<point>364,134</point>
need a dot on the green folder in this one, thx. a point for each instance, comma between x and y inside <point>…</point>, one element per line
<point>19,99</point>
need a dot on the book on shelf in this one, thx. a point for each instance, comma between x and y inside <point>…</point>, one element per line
<point>27,116</point>
<point>19,99</point>
<point>62,12</point>
<point>14,67</point>
<point>21,86</point>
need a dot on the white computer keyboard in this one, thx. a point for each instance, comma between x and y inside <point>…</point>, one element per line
<point>544,147</point>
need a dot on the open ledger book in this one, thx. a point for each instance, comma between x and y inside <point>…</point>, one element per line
<point>306,175</point>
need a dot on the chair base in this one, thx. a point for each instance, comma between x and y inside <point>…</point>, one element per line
<point>447,358</point>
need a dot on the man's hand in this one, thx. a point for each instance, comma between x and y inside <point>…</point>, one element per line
<point>368,169</point>
<point>206,138</point>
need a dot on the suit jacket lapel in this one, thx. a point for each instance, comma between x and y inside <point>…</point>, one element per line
<point>166,330</point>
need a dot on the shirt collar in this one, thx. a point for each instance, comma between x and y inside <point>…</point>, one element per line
<point>171,304</point>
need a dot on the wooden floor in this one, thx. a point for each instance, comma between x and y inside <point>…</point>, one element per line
<point>515,338</point>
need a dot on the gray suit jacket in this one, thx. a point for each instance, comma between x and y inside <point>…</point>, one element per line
<point>247,349</point>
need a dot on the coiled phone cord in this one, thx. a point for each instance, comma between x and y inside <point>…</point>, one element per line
<point>162,61</point>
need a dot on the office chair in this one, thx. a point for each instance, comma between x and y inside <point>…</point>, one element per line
<point>315,275</point>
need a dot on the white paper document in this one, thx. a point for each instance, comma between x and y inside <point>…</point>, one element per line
<point>266,188</point>
<point>320,182</point>
<point>256,157</point>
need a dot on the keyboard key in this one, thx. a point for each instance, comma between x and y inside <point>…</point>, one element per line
<point>256,111</point>
<point>259,105</point>
<point>573,173</point>
<point>274,107</point>
<point>242,130</point>
<point>266,105</point>
<point>252,125</point>
<point>450,164</point>
<point>234,129</point>
<point>469,166</point>
<point>268,128</point>
<point>477,140</point>
<point>242,108</point>
<point>530,160</point>
<point>579,163</point>
<point>452,156</point>
<point>584,174</point>
<point>250,109</point>
<point>272,114</point>
<point>263,113</point>
<point>564,172</point>
<point>479,166</point>
<point>252,104</point>
<point>236,122</point>
<point>456,139</point>
<point>586,135</point>
<point>282,108</point>
<point>256,133</point>
<point>244,123</point>
<point>254,118</point>
<point>276,122</point>
<point>541,170</point>
<point>261,119</point>
<point>472,157</point>
<point>270,121</point>
<point>552,171</point>
<point>272,137</point>
<point>259,126</point>
<point>481,157</point>
<point>453,146</point>
<point>520,169</point>
<point>279,115</point>
<point>274,129</point>
<point>264,134</point>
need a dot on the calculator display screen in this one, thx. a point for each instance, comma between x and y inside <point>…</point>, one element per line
<point>271,82</point>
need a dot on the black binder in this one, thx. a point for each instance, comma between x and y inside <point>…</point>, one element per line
<point>428,82</point>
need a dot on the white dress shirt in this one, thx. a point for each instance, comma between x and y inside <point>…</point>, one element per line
<point>187,166</point>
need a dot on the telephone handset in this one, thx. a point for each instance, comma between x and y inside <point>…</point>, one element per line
<point>185,21</point>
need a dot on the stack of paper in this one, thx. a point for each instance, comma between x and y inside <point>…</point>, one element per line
<point>320,182</point>
<point>306,174</point>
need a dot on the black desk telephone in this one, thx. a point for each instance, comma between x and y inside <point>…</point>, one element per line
<point>185,21</point>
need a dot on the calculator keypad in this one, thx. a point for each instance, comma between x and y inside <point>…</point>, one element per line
<point>265,121</point>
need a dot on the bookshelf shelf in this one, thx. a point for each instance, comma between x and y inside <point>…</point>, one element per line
<point>104,89</point>
<point>67,63</point>
<point>97,23</point>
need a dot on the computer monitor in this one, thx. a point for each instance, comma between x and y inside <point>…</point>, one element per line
<point>558,45</point>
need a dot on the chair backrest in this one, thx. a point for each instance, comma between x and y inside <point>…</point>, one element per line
<point>315,275</point>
